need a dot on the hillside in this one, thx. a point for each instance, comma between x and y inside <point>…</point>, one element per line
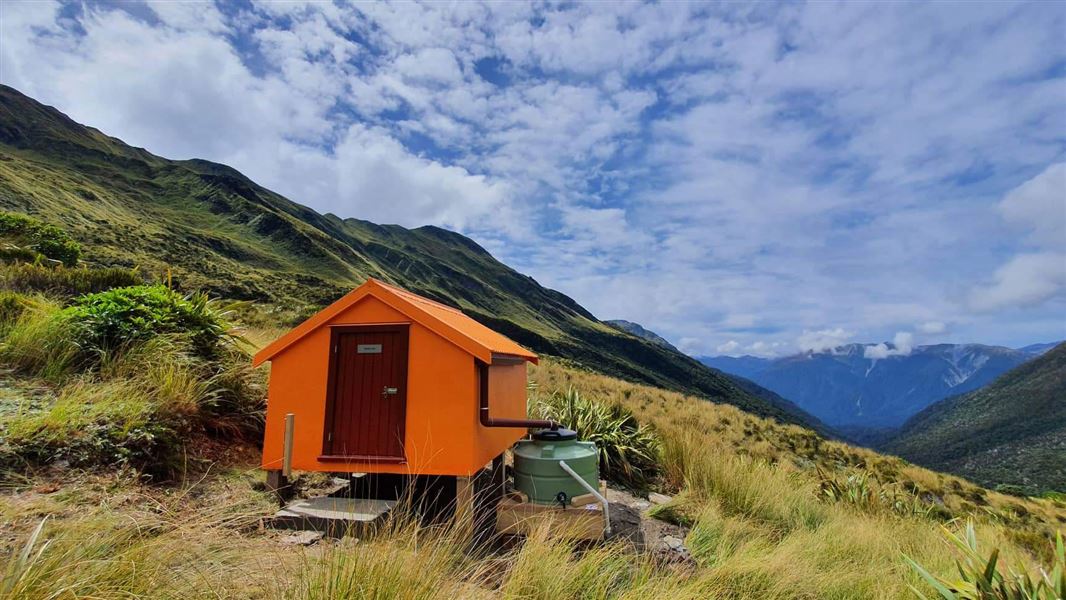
<point>211,228</point>
<point>853,389</point>
<point>1010,432</point>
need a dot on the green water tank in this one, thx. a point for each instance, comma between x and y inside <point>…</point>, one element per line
<point>537,472</point>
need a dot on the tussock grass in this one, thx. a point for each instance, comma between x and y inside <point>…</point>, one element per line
<point>38,340</point>
<point>135,403</point>
<point>136,408</point>
<point>64,281</point>
<point>402,562</point>
<point>753,491</point>
<point>105,554</point>
<point>764,525</point>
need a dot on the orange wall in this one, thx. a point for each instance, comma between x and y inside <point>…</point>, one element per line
<point>442,437</point>
<point>507,399</point>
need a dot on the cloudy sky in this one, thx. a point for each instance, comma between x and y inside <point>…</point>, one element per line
<point>739,179</point>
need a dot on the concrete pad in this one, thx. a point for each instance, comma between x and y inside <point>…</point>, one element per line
<point>333,516</point>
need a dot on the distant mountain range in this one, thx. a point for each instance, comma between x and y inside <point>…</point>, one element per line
<point>850,389</point>
<point>1010,432</point>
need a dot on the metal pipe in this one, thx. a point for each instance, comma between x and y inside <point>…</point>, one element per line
<point>490,421</point>
<point>286,464</point>
<point>594,492</point>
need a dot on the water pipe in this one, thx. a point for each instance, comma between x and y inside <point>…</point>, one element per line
<point>594,492</point>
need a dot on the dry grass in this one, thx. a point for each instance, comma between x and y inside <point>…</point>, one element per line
<point>762,528</point>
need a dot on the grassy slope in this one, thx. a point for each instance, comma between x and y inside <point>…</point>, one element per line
<point>1012,431</point>
<point>214,229</point>
<point>762,526</point>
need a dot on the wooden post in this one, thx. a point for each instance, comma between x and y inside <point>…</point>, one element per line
<point>488,491</point>
<point>278,481</point>
<point>278,484</point>
<point>286,465</point>
<point>464,507</point>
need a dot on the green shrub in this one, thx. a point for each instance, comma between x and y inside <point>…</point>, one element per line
<point>1011,490</point>
<point>48,240</point>
<point>109,320</point>
<point>629,451</point>
<point>984,579</point>
<point>64,281</point>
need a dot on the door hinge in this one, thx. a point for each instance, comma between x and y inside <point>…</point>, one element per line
<point>335,347</point>
<point>329,437</point>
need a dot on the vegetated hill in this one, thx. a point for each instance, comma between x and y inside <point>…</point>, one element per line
<point>741,382</point>
<point>1010,432</point>
<point>638,330</point>
<point>214,229</point>
<point>851,389</point>
<point>1038,349</point>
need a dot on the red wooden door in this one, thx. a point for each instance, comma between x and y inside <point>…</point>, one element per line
<point>367,401</point>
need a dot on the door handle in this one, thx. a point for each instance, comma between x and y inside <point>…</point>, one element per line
<point>389,391</point>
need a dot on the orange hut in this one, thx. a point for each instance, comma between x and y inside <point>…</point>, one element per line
<point>385,381</point>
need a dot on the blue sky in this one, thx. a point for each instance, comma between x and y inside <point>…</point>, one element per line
<point>741,179</point>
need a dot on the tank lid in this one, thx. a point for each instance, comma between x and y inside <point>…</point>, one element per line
<point>555,435</point>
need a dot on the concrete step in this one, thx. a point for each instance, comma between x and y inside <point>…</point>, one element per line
<point>333,517</point>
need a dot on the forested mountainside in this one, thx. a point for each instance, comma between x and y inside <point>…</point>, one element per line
<point>1011,432</point>
<point>212,228</point>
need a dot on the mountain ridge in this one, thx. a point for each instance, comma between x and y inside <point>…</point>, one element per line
<point>640,331</point>
<point>875,386</point>
<point>212,228</point>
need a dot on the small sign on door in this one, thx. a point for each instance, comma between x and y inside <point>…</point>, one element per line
<point>368,349</point>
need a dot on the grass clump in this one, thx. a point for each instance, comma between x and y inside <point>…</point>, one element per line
<point>64,282</point>
<point>23,233</point>
<point>629,451</point>
<point>138,408</point>
<point>863,490</point>
<point>38,338</point>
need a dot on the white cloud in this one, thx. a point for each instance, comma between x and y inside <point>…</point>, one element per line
<point>932,327</point>
<point>823,339</point>
<point>1039,206</point>
<point>1026,280</point>
<point>1031,278</point>
<point>435,65</point>
<point>902,345</point>
<point>270,127</point>
<point>729,347</point>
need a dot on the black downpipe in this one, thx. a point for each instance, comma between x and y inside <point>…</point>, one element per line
<point>483,407</point>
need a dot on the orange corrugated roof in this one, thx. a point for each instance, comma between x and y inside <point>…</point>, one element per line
<point>448,322</point>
